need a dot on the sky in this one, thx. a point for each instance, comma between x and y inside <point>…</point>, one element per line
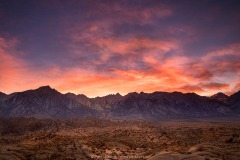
<point>101,47</point>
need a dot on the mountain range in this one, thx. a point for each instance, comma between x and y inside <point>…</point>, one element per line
<point>46,102</point>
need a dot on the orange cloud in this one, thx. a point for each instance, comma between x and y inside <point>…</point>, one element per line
<point>216,86</point>
<point>177,73</point>
<point>191,88</point>
<point>237,87</point>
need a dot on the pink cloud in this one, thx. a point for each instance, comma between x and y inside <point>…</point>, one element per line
<point>237,87</point>
<point>191,88</point>
<point>226,51</point>
<point>215,86</point>
<point>169,74</point>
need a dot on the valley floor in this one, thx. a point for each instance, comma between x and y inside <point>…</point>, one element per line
<point>80,139</point>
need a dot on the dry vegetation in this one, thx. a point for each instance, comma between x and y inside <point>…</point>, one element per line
<point>88,138</point>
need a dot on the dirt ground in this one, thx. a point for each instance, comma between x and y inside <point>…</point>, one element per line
<point>80,139</point>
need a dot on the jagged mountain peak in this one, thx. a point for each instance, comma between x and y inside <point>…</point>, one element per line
<point>118,94</point>
<point>45,88</point>
<point>220,97</point>
<point>192,94</point>
<point>132,94</point>
<point>48,102</point>
<point>114,95</point>
<point>176,92</point>
<point>219,94</point>
<point>70,94</point>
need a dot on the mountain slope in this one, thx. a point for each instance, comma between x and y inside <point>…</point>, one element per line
<point>234,101</point>
<point>98,103</point>
<point>162,105</point>
<point>3,96</point>
<point>220,97</point>
<point>46,102</point>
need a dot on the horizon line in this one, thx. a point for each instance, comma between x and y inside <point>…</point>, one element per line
<point>113,93</point>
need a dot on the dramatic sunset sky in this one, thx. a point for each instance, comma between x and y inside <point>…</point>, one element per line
<point>97,47</point>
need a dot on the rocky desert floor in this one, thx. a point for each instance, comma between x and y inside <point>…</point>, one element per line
<point>82,139</point>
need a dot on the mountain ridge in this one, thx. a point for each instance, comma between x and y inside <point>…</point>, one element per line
<point>48,87</point>
<point>46,102</point>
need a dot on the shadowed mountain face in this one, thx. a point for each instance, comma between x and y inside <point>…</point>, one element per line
<point>2,96</point>
<point>162,105</point>
<point>234,101</point>
<point>220,97</point>
<point>46,102</point>
<point>98,103</point>
<point>43,102</point>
